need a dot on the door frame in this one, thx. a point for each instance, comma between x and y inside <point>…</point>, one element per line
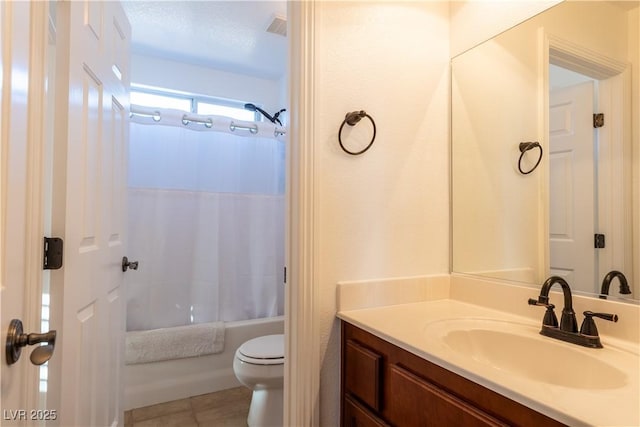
<point>302,372</point>
<point>302,302</point>
<point>615,81</point>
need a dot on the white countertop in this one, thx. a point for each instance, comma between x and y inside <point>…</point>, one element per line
<point>404,325</point>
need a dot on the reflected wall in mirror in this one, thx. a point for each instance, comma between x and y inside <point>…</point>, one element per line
<point>542,81</point>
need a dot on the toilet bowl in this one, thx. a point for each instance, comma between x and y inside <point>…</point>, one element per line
<point>259,365</point>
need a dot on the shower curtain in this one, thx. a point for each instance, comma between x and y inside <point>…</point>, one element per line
<point>206,223</point>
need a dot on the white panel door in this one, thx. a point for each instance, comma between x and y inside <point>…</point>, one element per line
<point>89,192</point>
<point>571,182</point>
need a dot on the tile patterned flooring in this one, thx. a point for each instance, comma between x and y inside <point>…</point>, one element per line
<point>226,408</point>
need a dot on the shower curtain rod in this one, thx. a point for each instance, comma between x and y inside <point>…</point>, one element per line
<point>219,122</point>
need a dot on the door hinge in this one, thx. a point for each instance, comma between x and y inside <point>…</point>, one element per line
<point>52,254</point>
<point>598,120</point>
<point>598,241</point>
<point>285,275</point>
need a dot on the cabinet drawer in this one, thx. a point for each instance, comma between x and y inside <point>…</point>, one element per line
<point>413,401</point>
<point>363,376</point>
<point>355,415</point>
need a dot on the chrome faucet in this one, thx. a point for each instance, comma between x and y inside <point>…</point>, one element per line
<point>568,328</point>
<point>606,282</point>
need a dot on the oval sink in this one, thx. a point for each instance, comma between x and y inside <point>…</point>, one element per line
<point>518,349</point>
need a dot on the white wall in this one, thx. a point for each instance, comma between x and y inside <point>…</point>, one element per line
<point>384,213</point>
<point>195,79</point>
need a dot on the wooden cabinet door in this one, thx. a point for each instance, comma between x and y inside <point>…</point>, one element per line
<point>412,401</point>
<point>355,415</point>
<point>383,383</point>
<point>362,379</point>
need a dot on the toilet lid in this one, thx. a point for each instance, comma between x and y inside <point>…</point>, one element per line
<point>269,349</point>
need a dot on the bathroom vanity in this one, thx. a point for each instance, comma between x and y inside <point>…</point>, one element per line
<point>470,359</point>
<point>382,384</point>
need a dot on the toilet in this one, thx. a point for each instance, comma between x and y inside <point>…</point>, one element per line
<point>259,365</point>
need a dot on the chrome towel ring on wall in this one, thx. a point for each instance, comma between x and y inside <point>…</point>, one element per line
<point>351,119</point>
<point>524,147</point>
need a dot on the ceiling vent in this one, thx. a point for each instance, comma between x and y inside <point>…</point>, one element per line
<point>278,26</point>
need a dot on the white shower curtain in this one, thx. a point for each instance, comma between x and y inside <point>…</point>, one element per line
<point>206,223</point>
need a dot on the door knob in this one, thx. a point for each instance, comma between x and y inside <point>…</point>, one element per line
<point>128,264</point>
<point>16,339</point>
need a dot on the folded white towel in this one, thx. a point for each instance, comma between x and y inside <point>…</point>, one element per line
<point>174,343</point>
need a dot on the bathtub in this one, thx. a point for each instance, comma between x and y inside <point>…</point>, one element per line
<point>157,382</point>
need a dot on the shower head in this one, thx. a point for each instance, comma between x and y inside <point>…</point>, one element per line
<point>272,119</point>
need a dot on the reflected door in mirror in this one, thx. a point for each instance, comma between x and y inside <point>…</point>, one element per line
<point>571,184</point>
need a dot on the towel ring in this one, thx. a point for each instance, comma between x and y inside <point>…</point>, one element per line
<point>524,147</point>
<point>351,119</point>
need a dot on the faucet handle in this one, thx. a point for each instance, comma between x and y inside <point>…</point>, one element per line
<point>549,318</point>
<point>538,302</point>
<point>605,316</point>
<point>542,301</point>
<point>589,325</point>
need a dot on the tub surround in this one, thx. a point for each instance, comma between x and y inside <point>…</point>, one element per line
<point>400,317</point>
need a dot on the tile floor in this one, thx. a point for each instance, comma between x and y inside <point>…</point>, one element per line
<point>226,408</point>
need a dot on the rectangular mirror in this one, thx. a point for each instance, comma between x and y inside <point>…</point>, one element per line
<point>537,190</point>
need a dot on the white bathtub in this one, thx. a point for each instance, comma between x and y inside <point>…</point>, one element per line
<point>151,383</point>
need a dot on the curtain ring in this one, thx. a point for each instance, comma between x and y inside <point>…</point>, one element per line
<point>351,119</point>
<point>524,147</point>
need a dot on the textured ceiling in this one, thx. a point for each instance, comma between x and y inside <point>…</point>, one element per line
<point>227,35</point>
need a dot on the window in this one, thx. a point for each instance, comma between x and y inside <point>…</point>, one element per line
<point>224,110</point>
<point>154,98</point>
